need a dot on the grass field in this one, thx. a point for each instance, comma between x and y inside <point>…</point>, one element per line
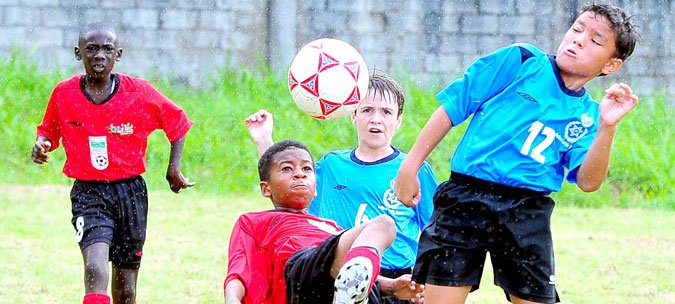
<point>616,245</point>
<point>604,255</point>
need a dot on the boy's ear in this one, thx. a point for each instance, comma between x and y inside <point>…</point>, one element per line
<point>353,117</point>
<point>119,54</point>
<point>612,66</point>
<point>76,51</point>
<point>265,189</point>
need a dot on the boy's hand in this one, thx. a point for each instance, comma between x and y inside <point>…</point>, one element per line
<point>260,125</point>
<point>407,188</point>
<point>40,149</point>
<point>618,101</point>
<point>406,289</point>
<point>177,181</point>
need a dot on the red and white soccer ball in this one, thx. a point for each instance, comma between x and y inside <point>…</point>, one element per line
<point>328,78</point>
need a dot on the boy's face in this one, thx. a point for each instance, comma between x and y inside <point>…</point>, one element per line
<point>588,48</point>
<point>291,183</point>
<point>376,119</point>
<point>98,51</point>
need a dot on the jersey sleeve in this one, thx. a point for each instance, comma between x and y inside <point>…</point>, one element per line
<point>485,77</point>
<point>575,156</point>
<point>247,262</point>
<point>165,114</point>
<point>428,185</point>
<point>50,126</point>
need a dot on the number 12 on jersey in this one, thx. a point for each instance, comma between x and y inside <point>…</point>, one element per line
<point>536,153</point>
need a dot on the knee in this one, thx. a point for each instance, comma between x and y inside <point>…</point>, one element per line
<point>386,225</point>
<point>125,293</point>
<point>96,270</point>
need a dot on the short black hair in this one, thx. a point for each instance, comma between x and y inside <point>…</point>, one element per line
<point>621,24</point>
<point>96,26</point>
<point>265,162</point>
<point>382,83</point>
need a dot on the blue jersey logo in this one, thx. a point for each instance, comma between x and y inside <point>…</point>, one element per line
<point>574,131</point>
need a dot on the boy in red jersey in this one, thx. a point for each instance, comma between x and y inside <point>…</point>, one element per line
<point>104,120</point>
<point>285,255</point>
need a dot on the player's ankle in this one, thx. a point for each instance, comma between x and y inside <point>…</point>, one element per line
<point>369,253</point>
<point>96,298</point>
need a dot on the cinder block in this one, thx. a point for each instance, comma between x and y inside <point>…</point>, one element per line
<point>98,15</point>
<point>141,18</point>
<point>496,7</point>
<point>12,36</point>
<point>179,19</point>
<point>43,37</point>
<point>21,16</point>
<point>483,25</point>
<point>54,17</point>
<point>120,4</point>
<point>219,20</point>
<point>196,4</point>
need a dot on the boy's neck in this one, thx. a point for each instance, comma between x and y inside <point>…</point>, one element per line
<point>98,82</point>
<point>574,82</point>
<point>370,155</point>
<point>280,208</point>
<point>98,90</point>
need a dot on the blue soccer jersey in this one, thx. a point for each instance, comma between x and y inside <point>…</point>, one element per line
<point>527,127</point>
<point>350,191</point>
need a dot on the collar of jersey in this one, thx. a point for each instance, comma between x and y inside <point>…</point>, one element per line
<point>352,156</point>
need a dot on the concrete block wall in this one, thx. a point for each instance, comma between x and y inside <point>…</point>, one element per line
<point>184,39</point>
<point>432,41</point>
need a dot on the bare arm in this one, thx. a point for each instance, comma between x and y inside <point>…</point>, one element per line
<point>176,180</point>
<point>40,149</point>
<point>260,125</point>
<point>618,101</point>
<point>234,292</point>
<point>407,186</point>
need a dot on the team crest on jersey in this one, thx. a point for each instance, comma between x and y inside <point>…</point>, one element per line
<point>389,199</point>
<point>574,131</point>
<point>586,121</point>
<point>123,129</point>
<point>98,152</point>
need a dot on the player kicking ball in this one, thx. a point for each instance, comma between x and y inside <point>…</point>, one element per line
<point>285,255</point>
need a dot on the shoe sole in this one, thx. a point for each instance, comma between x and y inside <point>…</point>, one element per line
<point>353,282</point>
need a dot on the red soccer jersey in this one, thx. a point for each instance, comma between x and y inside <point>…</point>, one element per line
<point>107,142</point>
<point>260,245</point>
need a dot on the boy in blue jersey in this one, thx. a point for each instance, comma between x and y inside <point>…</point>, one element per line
<point>355,185</point>
<point>532,120</point>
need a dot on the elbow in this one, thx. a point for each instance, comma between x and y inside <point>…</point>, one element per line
<point>589,187</point>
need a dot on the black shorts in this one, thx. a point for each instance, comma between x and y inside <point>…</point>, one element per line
<point>472,217</point>
<point>114,213</point>
<point>308,277</point>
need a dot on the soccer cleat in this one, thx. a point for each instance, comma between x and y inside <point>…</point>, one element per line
<point>352,284</point>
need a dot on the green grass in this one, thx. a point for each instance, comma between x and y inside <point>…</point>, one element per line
<point>604,255</point>
<point>220,156</point>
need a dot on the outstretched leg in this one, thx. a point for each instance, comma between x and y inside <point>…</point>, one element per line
<point>357,259</point>
<point>377,233</point>
<point>124,285</point>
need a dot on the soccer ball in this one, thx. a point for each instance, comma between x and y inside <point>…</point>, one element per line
<point>328,78</point>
